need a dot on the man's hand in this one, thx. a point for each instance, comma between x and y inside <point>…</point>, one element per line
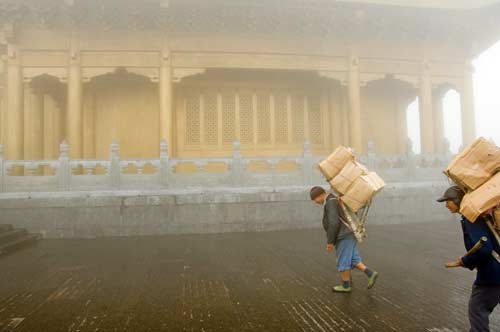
<point>329,247</point>
<point>455,264</point>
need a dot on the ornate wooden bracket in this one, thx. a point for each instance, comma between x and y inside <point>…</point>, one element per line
<point>181,73</point>
<point>340,76</point>
<point>31,72</point>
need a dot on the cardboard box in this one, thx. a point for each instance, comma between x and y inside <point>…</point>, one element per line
<point>482,199</point>
<point>475,165</point>
<point>363,190</point>
<point>332,165</point>
<point>347,176</point>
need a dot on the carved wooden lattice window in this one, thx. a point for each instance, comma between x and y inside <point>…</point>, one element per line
<point>228,117</point>
<point>281,118</point>
<point>246,118</point>
<point>211,128</point>
<point>298,118</point>
<point>315,123</point>
<point>271,116</point>
<point>263,119</point>
<point>192,133</point>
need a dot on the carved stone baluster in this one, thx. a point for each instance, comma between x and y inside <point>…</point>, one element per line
<point>307,164</point>
<point>448,155</point>
<point>114,166</point>
<point>237,164</point>
<point>410,160</point>
<point>64,169</point>
<point>1,170</point>
<point>371,158</point>
<point>200,165</point>
<point>89,169</point>
<point>164,163</point>
<point>31,169</point>
<point>273,164</point>
<point>140,167</point>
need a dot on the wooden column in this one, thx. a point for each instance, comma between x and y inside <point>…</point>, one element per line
<point>467,106</point>
<point>27,120</point>
<point>336,121</point>
<point>74,115</point>
<point>438,123</point>
<point>49,128</point>
<point>89,151</point>
<point>14,127</point>
<point>425,110</point>
<point>165,94</point>
<point>355,128</point>
<point>2,112</point>
<point>344,94</point>
<point>326,116</point>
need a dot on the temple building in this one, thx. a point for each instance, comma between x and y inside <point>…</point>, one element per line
<point>202,74</point>
<point>134,117</point>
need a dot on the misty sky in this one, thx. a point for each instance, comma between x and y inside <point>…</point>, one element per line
<point>487,104</point>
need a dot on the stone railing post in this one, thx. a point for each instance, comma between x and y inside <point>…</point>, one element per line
<point>410,160</point>
<point>370,157</point>
<point>164,163</point>
<point>1,169</point>
<point>237,165</point>
<point>448,155</point>
<point>114,166</point>
<point>307,164</point>
<point>64,169</point>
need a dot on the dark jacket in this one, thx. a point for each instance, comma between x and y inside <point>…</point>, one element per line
<point>335,229</point>
<point>488,268</point>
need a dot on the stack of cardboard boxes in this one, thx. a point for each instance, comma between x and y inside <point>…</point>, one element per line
<point>352,180</point>
<point>476,171</point>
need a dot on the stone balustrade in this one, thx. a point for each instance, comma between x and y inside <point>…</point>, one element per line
<point>67,174</point>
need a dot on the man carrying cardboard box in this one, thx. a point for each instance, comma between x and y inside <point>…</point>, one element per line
<point>342,238</point>
<point>486,289</point>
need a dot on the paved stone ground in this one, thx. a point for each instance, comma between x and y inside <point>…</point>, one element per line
<point>275,281</point>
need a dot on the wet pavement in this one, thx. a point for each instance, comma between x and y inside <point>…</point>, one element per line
<point>274,281</point>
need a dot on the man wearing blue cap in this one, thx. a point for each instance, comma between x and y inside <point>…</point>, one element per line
<point>486,289</point>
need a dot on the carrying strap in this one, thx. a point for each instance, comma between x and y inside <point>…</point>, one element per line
<point>496,236</point>
<point>341,215</point>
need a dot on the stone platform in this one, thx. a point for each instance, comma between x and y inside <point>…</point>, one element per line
<point>129,213</point>
<point>267,281</point>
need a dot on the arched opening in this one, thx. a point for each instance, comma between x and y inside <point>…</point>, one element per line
<point>384,104</point>
<point>121,107</point>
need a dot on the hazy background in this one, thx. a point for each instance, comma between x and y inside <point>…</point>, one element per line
<point>487,102</point>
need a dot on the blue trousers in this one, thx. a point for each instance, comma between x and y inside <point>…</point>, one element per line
<point>483,301</point>
<point>347,253</point>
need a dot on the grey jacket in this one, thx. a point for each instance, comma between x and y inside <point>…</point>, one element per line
<point>335,229</point>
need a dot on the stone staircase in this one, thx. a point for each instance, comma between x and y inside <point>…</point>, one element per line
<point>12,239</point>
